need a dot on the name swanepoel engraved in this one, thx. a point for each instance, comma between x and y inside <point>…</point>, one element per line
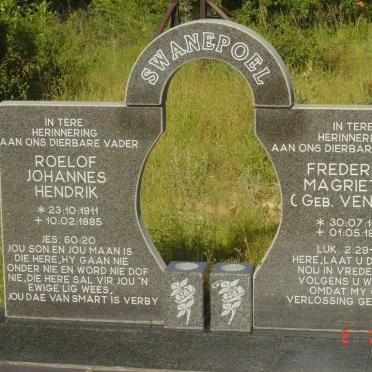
<point>197,42</point>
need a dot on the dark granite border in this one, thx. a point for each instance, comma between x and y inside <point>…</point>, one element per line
<point>146,347</point>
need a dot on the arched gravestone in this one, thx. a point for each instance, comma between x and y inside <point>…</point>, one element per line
<point>224,41</point>
<point>74,244</point>
<point>318,272</point>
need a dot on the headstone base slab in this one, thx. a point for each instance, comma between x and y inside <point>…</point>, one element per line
<point>73,346</point>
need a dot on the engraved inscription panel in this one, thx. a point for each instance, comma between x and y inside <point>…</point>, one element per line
<point>74,247</point>
<point>318,273</point>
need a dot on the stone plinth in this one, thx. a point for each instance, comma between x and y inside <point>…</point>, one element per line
<point>231,297</point>
<point>184,293</point>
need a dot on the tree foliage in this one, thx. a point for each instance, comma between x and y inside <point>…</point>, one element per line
<point>48,45</point>
<point>302,13</point>
<point>28,51</point>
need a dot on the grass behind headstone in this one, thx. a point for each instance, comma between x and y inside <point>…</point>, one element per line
<point>209,190</point>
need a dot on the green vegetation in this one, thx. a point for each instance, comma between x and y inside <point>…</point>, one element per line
<point>209,191</point>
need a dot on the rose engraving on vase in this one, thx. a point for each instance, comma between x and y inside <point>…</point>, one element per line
<point>183,294</point>
<point>232,295</point>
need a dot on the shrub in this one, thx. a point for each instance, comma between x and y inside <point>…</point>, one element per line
<point>290,25</point>
<point>28,67</point>
<point>125,21</point>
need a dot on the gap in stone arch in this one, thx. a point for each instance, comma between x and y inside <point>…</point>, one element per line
<point>209,191</point>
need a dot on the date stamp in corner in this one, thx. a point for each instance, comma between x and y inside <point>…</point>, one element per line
<point>345,333</point>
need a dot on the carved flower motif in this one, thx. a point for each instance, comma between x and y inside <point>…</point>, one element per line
<point>234,294</point>
<point>183,294</point>
<point>231,296</point>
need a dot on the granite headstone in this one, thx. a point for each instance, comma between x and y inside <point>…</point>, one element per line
<point>318,273</point>
<point>75,247</point>
<point>74,244</point>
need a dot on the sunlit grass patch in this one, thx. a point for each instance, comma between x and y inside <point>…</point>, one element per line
<point>209,190</point>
